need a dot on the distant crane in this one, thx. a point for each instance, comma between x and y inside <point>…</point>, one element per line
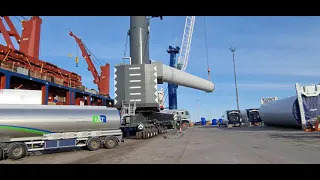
<point>103,80</point>
<point>182,60</point>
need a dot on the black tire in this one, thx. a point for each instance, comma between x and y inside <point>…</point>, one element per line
<point>110,142</point>
<point>1,153</point>
<point>144,135</point>
<point>137,135</point>
<point>16,151</point>
<point>94,144</point>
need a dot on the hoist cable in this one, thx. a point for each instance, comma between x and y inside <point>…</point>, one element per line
<point>126,46</point>
<point>206,44</point>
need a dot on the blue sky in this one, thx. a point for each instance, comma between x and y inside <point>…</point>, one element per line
<point>273,53</point>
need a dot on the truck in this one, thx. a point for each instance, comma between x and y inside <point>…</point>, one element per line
<point>182,114</point>
<point>251,116</point>
<point>29,128</point>
<point>231,118</point>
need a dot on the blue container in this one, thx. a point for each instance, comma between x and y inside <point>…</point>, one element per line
<point>203,121</point>
<point>220,121</point>
<point>214,122</point>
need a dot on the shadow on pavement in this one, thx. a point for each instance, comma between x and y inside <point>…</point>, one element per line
<point>274,132</point>
<point>297,135</point>
<point>252,128</point>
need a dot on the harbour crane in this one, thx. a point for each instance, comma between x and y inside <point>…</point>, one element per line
<point>102,80</point>
<point>182,62</point>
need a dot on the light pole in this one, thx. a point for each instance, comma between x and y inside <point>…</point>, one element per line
<point>235,76</point>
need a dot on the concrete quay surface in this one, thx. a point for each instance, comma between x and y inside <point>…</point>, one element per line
<point>198,145</point>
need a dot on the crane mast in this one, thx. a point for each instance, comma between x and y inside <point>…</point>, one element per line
<point>102,81</point>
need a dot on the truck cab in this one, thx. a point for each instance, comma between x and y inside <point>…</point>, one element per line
<point>254,116</point>
<point>231,117</point>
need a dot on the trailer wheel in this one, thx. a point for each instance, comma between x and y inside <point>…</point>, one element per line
<point>111,142</point>
<point>1,153</point>
<point>94,144</point>
<point>16,151</point>
<point>144,135</point>
<point>139,135</point>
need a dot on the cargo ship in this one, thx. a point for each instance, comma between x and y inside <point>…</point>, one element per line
<point>21,68</point>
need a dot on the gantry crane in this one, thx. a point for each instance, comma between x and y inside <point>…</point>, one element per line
<point>102,81</point>
<point>183,58</point>
<point>29,41</point>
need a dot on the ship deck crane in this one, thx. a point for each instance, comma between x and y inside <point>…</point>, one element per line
<point>102,81</point>
<point>29,41</point>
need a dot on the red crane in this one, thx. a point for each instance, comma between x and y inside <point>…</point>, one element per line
<point>29,41</point>
<point>103,80</point>
<point>28,54</point>
<point>30,36</point>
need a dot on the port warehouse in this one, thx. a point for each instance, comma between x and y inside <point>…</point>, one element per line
<point>15,74</point>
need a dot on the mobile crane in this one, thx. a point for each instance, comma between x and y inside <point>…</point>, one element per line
<point>102,81</point>
<point>135,92</point>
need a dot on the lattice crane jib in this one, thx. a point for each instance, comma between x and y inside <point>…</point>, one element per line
<point>186,43</point>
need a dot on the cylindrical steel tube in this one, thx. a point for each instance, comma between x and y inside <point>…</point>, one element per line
<point>36,120</point>
<point>181,78</point>
<point>283,112</point>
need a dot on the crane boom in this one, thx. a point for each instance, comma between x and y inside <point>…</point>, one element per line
<point>86,56</point>
<point>102,81</point>
<point>13,31</point>
<point>29,41</point>
<point>5,33</point>
<point>186,42</point>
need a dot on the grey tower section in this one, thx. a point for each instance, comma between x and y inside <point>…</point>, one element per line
<point>137,82</point>
<point>139,40</point>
